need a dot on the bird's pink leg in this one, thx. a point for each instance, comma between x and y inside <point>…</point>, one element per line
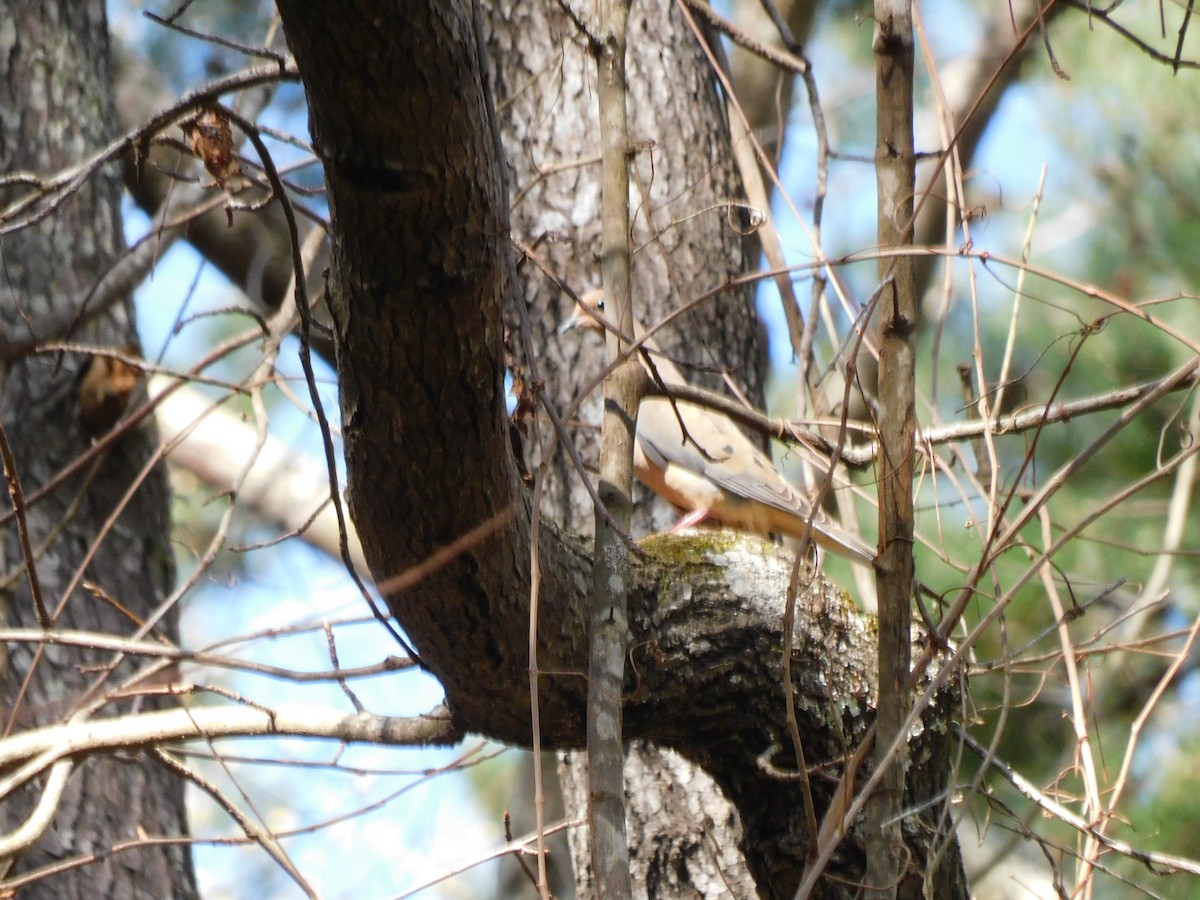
<point>695,517</point>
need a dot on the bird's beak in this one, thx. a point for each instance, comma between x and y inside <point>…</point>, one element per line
<point>577,319</point>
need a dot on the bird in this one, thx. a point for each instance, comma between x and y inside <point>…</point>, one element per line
<point>714,471</point>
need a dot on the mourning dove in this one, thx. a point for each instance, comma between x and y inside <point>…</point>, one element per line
<point>716,472</point>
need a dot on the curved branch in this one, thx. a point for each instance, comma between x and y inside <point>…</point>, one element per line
<point>31,830</point>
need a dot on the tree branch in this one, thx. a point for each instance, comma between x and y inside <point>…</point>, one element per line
<point>56,742</point>
<point>608,619</point>
<point>897,312</point>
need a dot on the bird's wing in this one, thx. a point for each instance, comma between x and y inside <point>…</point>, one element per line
<point>714,447</point>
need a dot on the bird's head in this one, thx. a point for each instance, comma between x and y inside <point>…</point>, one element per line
<point>588,313</point>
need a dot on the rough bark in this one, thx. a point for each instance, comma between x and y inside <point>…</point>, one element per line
<point>56,77</point>
<point>683,163</point>
<point>683,833</point>
<point>401,119</point>
<point>687,241</point>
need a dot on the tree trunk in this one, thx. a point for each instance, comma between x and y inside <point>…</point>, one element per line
<point>56,74</point>
<point>683,166</point>
<point>688,238</point>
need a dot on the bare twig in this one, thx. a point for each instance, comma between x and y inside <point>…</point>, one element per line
<point>258,833</point>
<point>1159,863</point>
<point>13,479</point>
<point>161,651</point>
